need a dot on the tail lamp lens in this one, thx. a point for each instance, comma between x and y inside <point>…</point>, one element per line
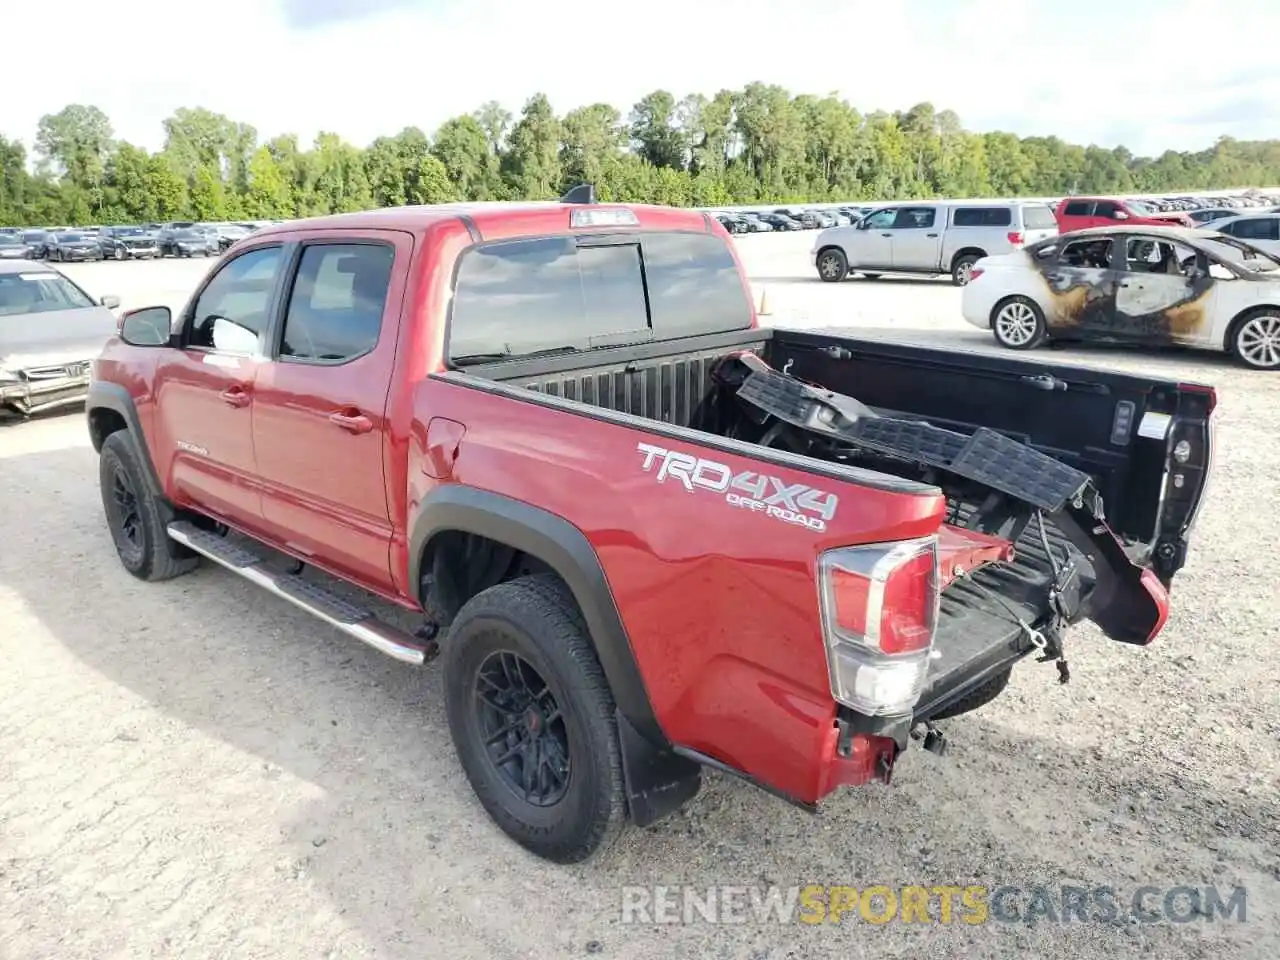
<point>880,611</point>
<point>1015,237</point>
<point>975,273</point>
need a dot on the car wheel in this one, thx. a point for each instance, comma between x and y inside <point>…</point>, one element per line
<point>532,718</point>
<point>120,254</point>
<point>1255,340</point>
<point>962,268</point>
<point>134,517</point>
<point>833,265</point>
<point>1018,323</point>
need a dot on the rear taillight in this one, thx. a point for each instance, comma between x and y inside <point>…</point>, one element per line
<point>879,612</point>
<point>1015,237</point>
<point>975,273</point>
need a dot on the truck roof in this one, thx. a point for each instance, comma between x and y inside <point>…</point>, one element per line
<point>496,217</point>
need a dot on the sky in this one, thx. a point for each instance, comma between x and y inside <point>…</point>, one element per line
<point>1137,72</point>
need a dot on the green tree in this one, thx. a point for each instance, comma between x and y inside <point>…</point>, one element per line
<point>269,193</point>
<point>531,163</point>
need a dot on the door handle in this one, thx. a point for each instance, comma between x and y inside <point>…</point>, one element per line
<point>1124,283</point>
<point>886,234</point>
<point>353,421</point>
<point>235,396</point>
<point>930,234</point>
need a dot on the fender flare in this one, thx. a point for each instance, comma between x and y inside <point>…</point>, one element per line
<point>564,548</point>
<point>112,396</point>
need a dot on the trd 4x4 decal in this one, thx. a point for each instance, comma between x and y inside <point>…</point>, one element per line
<point>791,502</point>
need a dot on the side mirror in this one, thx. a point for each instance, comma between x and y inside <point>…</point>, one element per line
<point>1119,215</point>
<point>148,327</point>
<point>110,301</point>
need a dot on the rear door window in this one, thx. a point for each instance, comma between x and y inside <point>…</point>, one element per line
<point>914,218</point>
<point>1256,228</point>
<point>336,305</point>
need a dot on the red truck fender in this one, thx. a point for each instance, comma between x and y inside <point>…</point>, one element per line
<point>657,779</point>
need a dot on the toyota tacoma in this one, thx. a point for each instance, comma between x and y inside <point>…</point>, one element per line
<point>644,535</point>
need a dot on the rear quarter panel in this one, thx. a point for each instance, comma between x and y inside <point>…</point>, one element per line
<point>720,603</point>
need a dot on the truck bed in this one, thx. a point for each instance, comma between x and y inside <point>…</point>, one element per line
<point>978,638</point>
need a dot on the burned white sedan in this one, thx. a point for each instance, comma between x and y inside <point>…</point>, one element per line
<point>1139,285</point>
<point>50,333</point>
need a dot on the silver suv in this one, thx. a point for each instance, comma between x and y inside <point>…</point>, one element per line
<point>943,237</point>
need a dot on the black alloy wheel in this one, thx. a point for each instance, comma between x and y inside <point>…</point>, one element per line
<point>522,729</point>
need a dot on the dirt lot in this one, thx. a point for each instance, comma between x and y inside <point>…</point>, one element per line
<point>196,770</point>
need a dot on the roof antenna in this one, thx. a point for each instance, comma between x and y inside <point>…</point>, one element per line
<point>582,193</point>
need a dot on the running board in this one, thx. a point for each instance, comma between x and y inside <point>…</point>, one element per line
<point>352,620</point>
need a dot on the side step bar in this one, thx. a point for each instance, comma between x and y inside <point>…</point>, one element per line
<point>352,620</point>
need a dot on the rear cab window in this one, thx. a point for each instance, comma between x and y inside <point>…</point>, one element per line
<point>517,297</point>
<point>1079,208</point>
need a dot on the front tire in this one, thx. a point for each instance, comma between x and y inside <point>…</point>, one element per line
<point>119,253</point>
<point>833,265</point>
<point>532,718</point>
<point>1255,340</point>
<point>134,517</point>
<point>1018,323</point>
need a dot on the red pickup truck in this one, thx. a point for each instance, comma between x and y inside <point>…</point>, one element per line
<point>1081,213</point>
<point>644,535</point>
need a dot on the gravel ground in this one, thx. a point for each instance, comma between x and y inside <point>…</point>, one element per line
<point>193,769</point>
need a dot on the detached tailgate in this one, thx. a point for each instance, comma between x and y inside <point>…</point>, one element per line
<point>1147,443</point>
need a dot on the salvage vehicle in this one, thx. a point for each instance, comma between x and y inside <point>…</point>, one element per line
<point>50,332</point>
<point>1150,286</point>
<point>71,245</point>
<point>1081,213</point>
<point>128,243</point>
<point>644,534</point>
<point>929,238</point>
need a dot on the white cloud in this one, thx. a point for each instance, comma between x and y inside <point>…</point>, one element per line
<point>1087,71</point>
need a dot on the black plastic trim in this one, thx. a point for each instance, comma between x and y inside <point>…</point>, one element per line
<point>658,780</point>
<point>472,230</point>
<point>565,549</point>
<point>708,761</point>
<point>112,396</point>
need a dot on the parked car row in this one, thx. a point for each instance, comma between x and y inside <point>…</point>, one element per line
<point>789,218</point>
<point>177,238</point>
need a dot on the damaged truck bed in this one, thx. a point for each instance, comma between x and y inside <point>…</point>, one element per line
<point>1060,504</point>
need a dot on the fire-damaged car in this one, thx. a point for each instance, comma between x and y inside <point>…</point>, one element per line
<point>644,535</point>
<point>1137,285</point>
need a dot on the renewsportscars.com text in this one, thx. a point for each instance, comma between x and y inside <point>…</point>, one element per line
<point>969,904</point>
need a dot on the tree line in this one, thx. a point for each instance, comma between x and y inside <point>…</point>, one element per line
<point>760,144</point>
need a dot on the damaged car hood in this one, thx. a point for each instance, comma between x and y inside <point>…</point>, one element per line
<point>54,337</point>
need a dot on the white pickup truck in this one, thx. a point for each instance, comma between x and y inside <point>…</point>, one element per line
<point>930,238</point>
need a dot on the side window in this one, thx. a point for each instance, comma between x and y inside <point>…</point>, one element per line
<point>1089,254</point>
<point>233,309</point>
<point>1255,228</point>
<point>1105,208</point>
<point>881,219</point>
<point>335,307</point>
<point>1079,208</point>
<point>914,218</point>
<point>982,217</point>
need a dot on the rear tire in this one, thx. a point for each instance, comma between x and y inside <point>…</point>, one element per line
<point>1018,323</point>
<point>833,265</point>
<point>1254,339</point>
<point>961,268</point>
<point>546,767</point>
<point>136,520</point>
